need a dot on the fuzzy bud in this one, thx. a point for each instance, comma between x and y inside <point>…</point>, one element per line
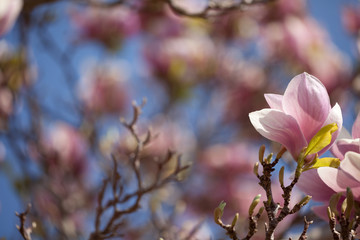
<point>261,153</point>
<point>234,221</point>
<point>254,203</point>
<point>281,176</point>
<point>256,169</point>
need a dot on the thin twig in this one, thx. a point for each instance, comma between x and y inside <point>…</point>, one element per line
<point>306,227</point>
<point>24,231</point>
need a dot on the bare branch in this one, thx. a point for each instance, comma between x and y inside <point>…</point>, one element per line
<point>24,231</point>
<point>306,227</point>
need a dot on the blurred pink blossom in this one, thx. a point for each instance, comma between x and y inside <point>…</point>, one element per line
<point>295,117</point>
<point>64,151</point>
<point>304,45</point>
<point>108,26</point>
<point>169,135</point>
<point>181,61</point>
<point>102,88</point>
<point>191,6</point>
<point>241,81</point>
<point>9,11</point>
<point>351,18</point>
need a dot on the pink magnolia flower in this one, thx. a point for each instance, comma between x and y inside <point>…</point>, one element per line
<point>9,11</point>
<point>314,182</point>
<point>344,145</point>
<point>184,59</point>
<point>347,175</point>
<point>323,182</point>
<point>102,88</point>
<point>108,26</point>
<point>303,44</point>
<point>295,117</point>
<point>351,18</point>
<point>64,151</point>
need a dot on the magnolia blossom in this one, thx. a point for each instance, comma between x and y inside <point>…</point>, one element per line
<point>64,151</point>
<point>9,11</point>
<point>241,81</point>
<point>322,183</point>
<point>351,18</point>
<point>102,88</point>
<point>344,145</point>
<point>108,26</point>
<point>303,44</point>
<point>295,117</point>
<point>347,175</point>
<point>186,58</point>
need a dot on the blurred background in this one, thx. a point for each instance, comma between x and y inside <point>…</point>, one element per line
<point>70,69</point>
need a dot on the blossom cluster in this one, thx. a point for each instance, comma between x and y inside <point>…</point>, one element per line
<point>294,119</point>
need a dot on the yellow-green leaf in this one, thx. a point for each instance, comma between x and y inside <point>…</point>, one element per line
<point>321,139</point>
<point>326,162</point>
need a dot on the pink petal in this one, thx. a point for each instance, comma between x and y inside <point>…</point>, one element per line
<point>336,179</point>
<point>274,100</point>
<point>279,127</point>
<point>311,184</point>
<point>9,11</point>
<point>356,127</point>
<point>307,100</point>
<point>342,146</point>
<point>329,176</point>
<point>351,165</point>
<point>335,116</point>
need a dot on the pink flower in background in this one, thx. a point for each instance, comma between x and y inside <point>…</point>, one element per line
<point>105,25</point>
<point>191,6</point>
<point>351,19</point>
<point>64,151</point>
<point>241,81</point>
<point>187,58</point>
<point>102,88</point>
<point>303,44</point>
<point>295,117</point>
<point>9,11</point>
<point>180,62</point>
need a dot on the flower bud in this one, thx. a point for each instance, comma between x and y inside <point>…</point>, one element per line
<point>256,169</point>
<point>349,202</point>
<point>305,200</point>
<point>254,204</point>
<point>334,200</point>
<point>269,157</point>
<point>236,217</point>
<point>261,153</point>
<point>281,176</point>
<point>218,212</point>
